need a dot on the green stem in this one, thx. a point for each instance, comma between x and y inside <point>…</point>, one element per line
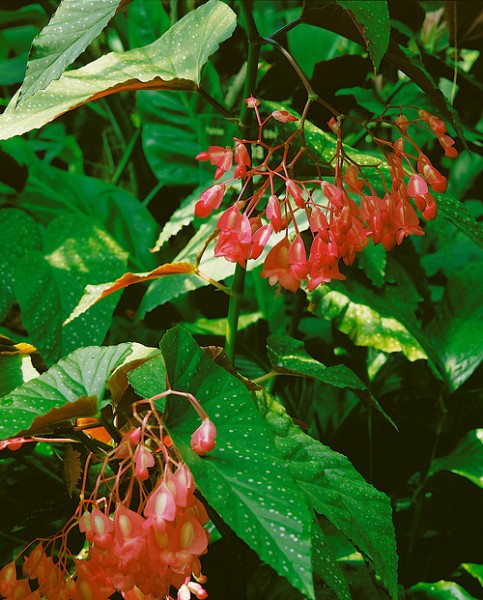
<point>246,117</point>
<point>219,107</point>
<point>237,288</point>
<point>126,156</point>
<point>418,497</point>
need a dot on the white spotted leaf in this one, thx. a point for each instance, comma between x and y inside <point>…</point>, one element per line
<point>244,478</point>
<point>82,374</point>
<point>334,489</point>
<point>172,62</point>
<point>74,25</point>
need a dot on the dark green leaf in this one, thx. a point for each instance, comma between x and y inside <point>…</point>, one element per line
<point>19,236</point>
<point>465,460</point>
<point>244,478</point>
<point>172,62</point>
<point>146,22</point>
<point>474,570</point>
<point>337,491</point>
<point>83,373</point>
<point>457,329</point>
<point>372,20</point>
<point>149,377</point>
<point>373,263</point>
<point>288,354</point>
<point>70,30</point>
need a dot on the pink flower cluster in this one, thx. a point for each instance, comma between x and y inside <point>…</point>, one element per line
<point>144,538</point>
<point>343,215</point>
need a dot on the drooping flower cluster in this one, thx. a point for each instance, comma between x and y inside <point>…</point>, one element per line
<point>340,226</point>
<point>143,525</point>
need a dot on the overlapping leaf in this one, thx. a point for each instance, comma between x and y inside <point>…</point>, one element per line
<point>70,30</point>
<point>244,479</point>
<point>84,373</point>
<point>48,285</point>
<point>465,460</point>
<point>94,293</point>
<point>173,62</point>
<point>334,489</point>
<point>372,20</point>
<point>287,354</point>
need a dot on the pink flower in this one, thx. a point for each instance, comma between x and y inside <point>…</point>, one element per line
<point>252,102</point>
<point>203,439</point>
<point>417,186</point>
<point>277,268</point>
<point>143,460</point>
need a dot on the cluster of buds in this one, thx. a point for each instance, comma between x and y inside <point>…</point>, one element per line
<point>143,524</point>
<point>340,227</point>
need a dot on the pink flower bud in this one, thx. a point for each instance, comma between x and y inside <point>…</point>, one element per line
<point>252,102</point>
<point>143,460</point>
<point>203,439</point>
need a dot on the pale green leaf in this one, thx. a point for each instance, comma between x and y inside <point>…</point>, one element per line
<point>84,373</point>
<point>174,61</point>
<point>70,30</point>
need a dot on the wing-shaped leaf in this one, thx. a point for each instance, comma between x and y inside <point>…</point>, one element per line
<point>334,489</point>
<point>287,354</point>
<point>94,293</point>
<point>15,369</point>
<point>244,479</point>
<point>70,30</point>
<point>173,62</point>
<point>84,373</point>
<point>325,563</point>
<point>465,460</point>
<point>372,20</point>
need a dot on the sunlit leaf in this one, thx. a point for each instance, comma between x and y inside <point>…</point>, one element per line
<point>70,30</point>
<point>173,62</point>
<point>94,293</point>
<point>465,460</point>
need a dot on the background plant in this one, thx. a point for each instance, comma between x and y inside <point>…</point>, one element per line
<point>382,367</point>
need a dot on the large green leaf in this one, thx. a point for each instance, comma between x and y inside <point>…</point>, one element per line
<point>48,286</point>
<point>465,460</point>
<point>70,30</point>
<point>244,478</point>
<point>372,20</point>
<point>457,329</point>
<point>334,489</point>
<point>84,373</point>
<point>174,61</point>
<point>51,191</point>
<point>288,354</point>
<point>19,236</point>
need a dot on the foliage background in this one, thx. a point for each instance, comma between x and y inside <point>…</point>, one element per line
<point>85,198</point>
